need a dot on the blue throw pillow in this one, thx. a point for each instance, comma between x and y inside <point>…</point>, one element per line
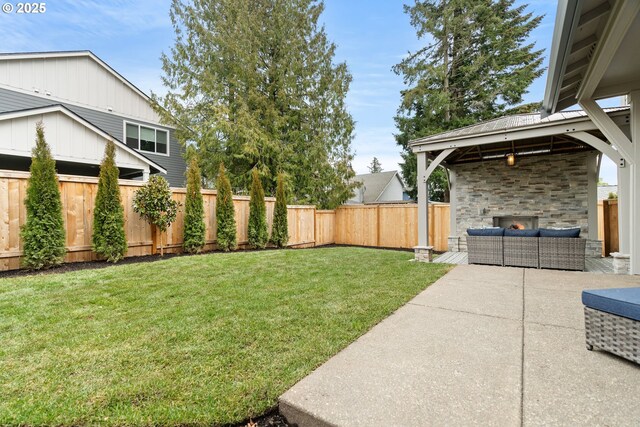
<point>496,231</point>
<point>531,232</point>
<point>566,232</point>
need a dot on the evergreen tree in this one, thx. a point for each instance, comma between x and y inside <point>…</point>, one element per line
<point>254,85</point>
<point>225,213</point>
<point>108,237</point>
<point>258,232</point>
<point>477,64</point>
<point>153,202</point>
<point>194,227</point>
<point>43,234</point>
<point>375,166</point>
<point>280,229</point>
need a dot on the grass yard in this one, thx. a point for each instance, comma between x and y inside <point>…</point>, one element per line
<point>209,339</point>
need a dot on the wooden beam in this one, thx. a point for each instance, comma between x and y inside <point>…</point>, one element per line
<point>598,144</point>
<point>594,14</point>
<point>584,43</point>
<point>611,131</point>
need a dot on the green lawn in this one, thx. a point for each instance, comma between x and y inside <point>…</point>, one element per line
<point>207,339</point>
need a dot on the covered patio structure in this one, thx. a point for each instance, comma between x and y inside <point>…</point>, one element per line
<point>594,56</point>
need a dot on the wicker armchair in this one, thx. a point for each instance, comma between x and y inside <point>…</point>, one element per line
<point>562,253</point>
<point>485,250</point>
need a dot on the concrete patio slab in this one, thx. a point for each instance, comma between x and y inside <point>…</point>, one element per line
<point>429,374</point>
<point>564,384</point>
<point>455,355</point>
<point>501,298</point>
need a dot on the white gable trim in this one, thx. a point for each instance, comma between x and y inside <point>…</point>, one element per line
<point>74,54</point>
<point>61,109</point>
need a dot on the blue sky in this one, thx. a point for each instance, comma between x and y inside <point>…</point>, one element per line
<point>371,35</point>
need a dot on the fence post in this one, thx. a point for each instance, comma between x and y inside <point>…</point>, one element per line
<point>377,225</point>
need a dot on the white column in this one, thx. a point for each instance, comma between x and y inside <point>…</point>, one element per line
<point>453,228</point>
<point>592,196</point>
<point>423,202</point>
<point>634,187</point>
<point>145,175</point>
<point>624,195</point>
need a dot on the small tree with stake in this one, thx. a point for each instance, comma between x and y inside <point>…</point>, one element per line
<point>194,227</point>
<point>258,233</point>
<point>154,204</point>
<point>225,213</point>
<point>43,235</point>
<point>108,237</point>
<point>280,231</point>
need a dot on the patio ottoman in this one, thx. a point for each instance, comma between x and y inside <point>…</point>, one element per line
<point>612,321</point>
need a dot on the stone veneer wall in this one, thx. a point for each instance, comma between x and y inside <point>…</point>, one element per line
<point>552,187</point>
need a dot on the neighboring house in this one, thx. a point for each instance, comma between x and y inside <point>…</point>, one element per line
<point>82,102</point>
<point>605,190</point>
<point>379,187</point>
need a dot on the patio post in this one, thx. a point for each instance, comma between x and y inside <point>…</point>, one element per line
<point>423,252</point>
<point>634,187</point>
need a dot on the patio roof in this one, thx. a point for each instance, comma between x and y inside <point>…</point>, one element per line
<point>522,134</point>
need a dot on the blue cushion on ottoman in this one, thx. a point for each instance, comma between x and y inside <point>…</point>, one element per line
<point>495,231</point>
<point>623,302</point>
<point>530,232</point>
<point>564,232</point>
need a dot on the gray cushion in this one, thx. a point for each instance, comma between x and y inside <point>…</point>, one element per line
<point>623,302</point>
<point>496,231</point>
<point>566,232</point>
<point>531,232</point>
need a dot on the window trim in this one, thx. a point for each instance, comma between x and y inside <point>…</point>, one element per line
<point>155,129</point>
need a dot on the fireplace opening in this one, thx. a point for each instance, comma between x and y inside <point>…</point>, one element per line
<point>512,221</point>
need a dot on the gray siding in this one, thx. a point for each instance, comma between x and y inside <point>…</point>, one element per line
<point>110,123</point>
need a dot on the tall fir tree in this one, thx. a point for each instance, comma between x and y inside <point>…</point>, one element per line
<point>280,228</point>
<point>109,239</point>
<point>225,213</point>
<point>477,64</point>
<point>194,226</point>
<point>43,234</point>
<point>258,232</point>
<point>254,84</point>
<point>375,166</point>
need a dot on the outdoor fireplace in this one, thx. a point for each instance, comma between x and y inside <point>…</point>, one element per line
<point>507,221</point>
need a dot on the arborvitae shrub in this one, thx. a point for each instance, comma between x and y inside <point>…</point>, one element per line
<point>43,234</point>
<point>108,237</point>
<point>225,214</point>
<point>154,204</point>
<point>194,227</point>
<point>280,230</point>
<point>258,233</point>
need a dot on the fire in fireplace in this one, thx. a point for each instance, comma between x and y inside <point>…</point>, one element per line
<point>518,222</point>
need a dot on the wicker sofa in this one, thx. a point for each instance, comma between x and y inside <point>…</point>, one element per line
<point>612,321</point>
<point>543,248</point>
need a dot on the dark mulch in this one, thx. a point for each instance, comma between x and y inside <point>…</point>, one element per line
<point>270,419</point>
<point>87,265</point>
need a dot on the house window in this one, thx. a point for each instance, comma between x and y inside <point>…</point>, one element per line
<point>147,139</point>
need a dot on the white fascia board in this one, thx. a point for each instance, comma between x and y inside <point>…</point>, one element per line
<point>567,18</point>
<point>73,116</point>
<point>548,129</point>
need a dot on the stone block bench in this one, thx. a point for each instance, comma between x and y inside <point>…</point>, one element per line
<point>612,321</point>
<point>561,249</point>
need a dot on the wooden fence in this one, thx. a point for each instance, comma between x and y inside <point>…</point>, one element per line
<point>393,226</point>
<point>608,226</point>
<point>78,195</point>
<point>390,226</point>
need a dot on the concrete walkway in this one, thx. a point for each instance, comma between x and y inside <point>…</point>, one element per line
<point>482,346</point>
